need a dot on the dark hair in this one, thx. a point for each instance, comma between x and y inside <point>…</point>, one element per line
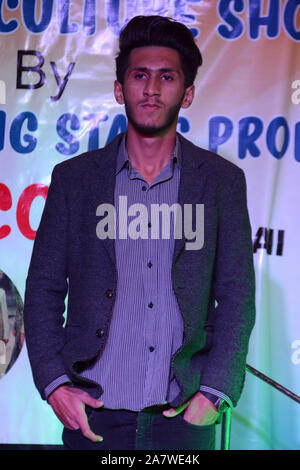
<point>144,31</point>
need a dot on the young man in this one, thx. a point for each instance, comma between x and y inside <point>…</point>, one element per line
<point>157,329</point>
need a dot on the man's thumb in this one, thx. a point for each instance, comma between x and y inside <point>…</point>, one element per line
<point>97,404</point>
<point>171,412</point>
<point>93,402</point>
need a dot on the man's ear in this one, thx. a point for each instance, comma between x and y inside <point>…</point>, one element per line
<point>188,96</point>
<point>118,91</point>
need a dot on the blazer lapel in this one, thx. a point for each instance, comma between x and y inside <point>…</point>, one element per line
<point>103,182</point>
<point>192,184</point>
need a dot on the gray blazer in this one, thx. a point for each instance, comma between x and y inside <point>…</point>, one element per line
<point>214,286</point>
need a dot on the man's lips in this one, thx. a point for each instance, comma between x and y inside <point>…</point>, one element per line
<point>150,106</point>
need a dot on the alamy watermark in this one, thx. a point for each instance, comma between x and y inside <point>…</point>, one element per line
<point>163,224</point>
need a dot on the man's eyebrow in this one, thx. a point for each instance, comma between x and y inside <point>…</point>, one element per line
<point>161,70</point>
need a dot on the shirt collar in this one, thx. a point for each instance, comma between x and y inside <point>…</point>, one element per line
<point>123,159</point>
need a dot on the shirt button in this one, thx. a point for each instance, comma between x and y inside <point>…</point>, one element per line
<point>150,305</point>
<point>109,293</point>
<point>99,333</point>
<point>149,264</point>
<point>149,224</point>
<point>151,348</point>
<point>144,188</point>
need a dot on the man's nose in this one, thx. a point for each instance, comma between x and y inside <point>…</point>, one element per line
<point>152,87</point>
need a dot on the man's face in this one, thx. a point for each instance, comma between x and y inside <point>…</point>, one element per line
<point>153,91</point>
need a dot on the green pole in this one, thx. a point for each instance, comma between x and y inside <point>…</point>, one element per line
<point>225,436</point>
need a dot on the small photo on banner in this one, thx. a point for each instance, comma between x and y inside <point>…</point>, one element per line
<point>11,323</point>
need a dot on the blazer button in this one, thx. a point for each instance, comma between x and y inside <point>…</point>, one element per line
<point>99,333</point>
<point>109,293</point>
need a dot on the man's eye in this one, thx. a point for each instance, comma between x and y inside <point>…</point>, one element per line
<point>167,77</point>
<point>139,76</point>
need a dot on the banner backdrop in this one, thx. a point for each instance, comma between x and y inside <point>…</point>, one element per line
<point>56,101</point>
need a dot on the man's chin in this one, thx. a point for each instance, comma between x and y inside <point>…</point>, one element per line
<point>150,131</point>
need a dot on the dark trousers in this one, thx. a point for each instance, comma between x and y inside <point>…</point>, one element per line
<point>142,430</point>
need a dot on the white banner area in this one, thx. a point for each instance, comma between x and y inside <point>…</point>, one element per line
<point>56,101</point>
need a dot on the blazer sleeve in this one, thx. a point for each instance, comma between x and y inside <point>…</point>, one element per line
<point>46,289</point>
<point>234,292</point>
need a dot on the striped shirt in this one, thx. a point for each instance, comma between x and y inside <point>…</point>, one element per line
<point>146,328</point>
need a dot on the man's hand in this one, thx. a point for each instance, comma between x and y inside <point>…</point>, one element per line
<point>68,403</point>
<point>198,410</point>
